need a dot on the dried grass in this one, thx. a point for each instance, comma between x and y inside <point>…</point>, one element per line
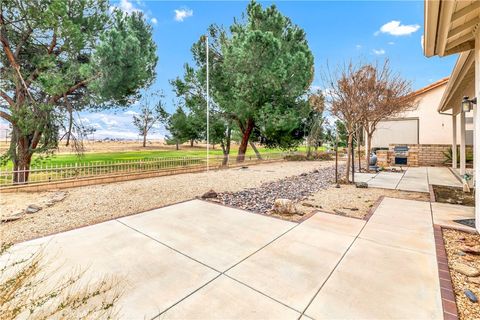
<point>26,291</point>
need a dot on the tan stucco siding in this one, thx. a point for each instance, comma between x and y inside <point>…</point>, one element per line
<point>433,127</point>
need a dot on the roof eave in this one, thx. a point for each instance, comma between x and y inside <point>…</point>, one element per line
<point>431,14</point>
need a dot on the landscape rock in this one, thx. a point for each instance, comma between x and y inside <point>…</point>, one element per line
<point>466,270</point>
<point>210,194</point>
<point>49,203</point>
<point>33,208</point>
<point>59,196</point>
<point>339,212</point>
<point>284,207</point>
<point>471,249</point>
<point>470,295</point>
<point>362,185</point>
<point>475,280</point>
<point>307,204</point>
<point>12,217</point>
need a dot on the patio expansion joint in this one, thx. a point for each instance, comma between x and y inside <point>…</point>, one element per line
<point>220,273</point>
<point>331,272</point>
<point>400,180</point>
<point>396,247</point>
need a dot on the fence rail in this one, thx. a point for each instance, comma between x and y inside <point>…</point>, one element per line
<point>54,173</point>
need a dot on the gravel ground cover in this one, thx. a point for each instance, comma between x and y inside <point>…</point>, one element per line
<point>313,191</point>
<point>92,204</point>
<point>455,241</point>
<point>295,188</point>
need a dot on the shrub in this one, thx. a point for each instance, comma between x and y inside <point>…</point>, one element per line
<point>25,293</point>
<point>314,156</point>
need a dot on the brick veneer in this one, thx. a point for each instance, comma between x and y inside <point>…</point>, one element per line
<point>446,287</point>
<point>418,155</point>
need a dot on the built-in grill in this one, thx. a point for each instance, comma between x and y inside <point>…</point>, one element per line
<point>401,155</point>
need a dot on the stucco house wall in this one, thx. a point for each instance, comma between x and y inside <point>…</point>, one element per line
<point>423,125</point>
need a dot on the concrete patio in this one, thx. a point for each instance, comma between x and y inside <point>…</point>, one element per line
<point>200,260</point>
<point>415,179</point>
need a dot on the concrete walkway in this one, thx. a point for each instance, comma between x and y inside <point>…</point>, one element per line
<point>412,179</point>
<point>197,260</point>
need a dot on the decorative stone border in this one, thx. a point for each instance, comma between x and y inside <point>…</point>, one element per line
<point>446,287</point>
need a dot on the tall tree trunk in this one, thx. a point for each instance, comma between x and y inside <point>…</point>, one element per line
<point>226,147</point>
<point>368,148</point>
<point>70,125</point>
<point>349,155</point>
<point>259,156</point>
<point>242,149</point>
<point>191,143</point>
<point>177,145</point>
<point>144,139</point>
<point>359,150</point>
<point>21,159</point>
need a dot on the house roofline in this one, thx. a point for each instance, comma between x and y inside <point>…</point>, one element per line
<point>431,86</point>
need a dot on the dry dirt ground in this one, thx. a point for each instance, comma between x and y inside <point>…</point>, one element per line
<point>92,204</point>
<point>351,201</point>
<point>453,241</point>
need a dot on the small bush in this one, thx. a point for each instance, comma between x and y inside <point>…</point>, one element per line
<point>314,156</point>
<point>26,293</point>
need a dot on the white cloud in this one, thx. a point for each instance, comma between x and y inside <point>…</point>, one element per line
<point>118,125</point>
<point>126,6</point>
<point>182,14</point>
<point>391,43</point>
<point>358,46</point>
<point>154,20</point>
<point>378,52</point>
<point>395,28</point>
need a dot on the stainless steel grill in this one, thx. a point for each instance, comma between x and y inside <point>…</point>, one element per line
<point>401,155</point>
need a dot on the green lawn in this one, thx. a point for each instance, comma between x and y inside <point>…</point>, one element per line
<point>63,159</point>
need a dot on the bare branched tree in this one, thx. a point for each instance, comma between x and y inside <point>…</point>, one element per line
<point>344,98</point>
<point>151,113</point>
<point>316,101</point>
<point>384,94</point>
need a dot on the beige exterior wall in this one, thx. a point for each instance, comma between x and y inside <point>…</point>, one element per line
<point>433,127</point>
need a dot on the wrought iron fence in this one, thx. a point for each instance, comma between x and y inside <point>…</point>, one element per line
<point>44,173</point>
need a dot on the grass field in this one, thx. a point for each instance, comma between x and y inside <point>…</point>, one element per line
<point>96,156</point>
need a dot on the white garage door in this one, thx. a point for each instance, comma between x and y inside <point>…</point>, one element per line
<point>404,131</point>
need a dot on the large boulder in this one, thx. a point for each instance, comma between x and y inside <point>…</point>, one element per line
<point>284,207</point>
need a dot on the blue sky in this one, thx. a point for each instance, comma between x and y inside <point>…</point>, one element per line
<point>336,30</point>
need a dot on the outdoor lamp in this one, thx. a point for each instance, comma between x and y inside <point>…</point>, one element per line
<point>467,104</point>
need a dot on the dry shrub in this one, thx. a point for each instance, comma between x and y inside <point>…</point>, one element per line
<point>26,293</point>
<point>313,156</point>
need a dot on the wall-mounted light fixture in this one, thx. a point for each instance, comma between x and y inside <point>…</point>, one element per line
<point>467,104</point>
